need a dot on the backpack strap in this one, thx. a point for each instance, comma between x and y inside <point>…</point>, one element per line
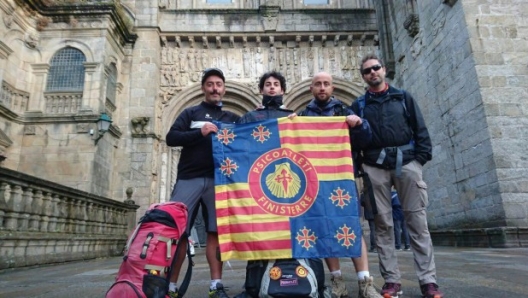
<point>187,279</point>
<point>362,102</point>
<point>340,109</point>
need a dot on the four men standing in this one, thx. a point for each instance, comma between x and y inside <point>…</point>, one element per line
<point>394,147</point>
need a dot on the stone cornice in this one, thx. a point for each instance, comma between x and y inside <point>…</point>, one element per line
<point>268,39</point>
<point>64,10</point>
<point>8,114</point>
<point>40,67</point>
<point>90,66</point>
<point>333,11</point>
<point>5,50</point>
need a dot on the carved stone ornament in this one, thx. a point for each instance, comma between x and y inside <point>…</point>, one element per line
<point>412,24</point>
<point>129,191</point>
<point>8,20</point>
<point>139,124</point>
<point>450,2</point>
<point>29,130</point>
<point>82,127</point>
<point>270,12</point>
<point>31,40</point>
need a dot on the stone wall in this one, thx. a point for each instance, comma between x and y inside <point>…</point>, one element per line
<point>464,62</point>
<point>42,222</point>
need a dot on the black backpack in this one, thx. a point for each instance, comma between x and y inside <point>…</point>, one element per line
<point>303,277</point>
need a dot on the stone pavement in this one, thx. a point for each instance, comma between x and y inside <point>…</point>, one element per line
<point>462,272</point>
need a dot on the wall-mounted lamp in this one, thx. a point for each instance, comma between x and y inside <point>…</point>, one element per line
<point>103,124</point>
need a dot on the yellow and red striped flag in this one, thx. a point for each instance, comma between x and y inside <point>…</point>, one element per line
<point>285,189</point>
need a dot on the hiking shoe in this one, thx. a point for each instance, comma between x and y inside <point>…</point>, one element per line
<point>339,289</point>
<point>431,291</point>
<point>219,292</point>
<point>391,290</point>
<point>173,294</point>
<point>366,288</point>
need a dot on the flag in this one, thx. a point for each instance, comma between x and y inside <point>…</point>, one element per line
<point>285,189</point>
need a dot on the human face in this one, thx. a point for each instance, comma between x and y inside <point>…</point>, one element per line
<point>272,87</point>
<point>214,90</point>
<point>322,87</point>
<point>375,78</point>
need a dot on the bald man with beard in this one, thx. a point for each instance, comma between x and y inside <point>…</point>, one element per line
<point>325,104</point>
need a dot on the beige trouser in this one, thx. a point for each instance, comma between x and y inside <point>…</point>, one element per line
<point>412,192</point>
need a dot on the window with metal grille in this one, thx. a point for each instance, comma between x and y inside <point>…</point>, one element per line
<point>66,71</point>
<point>111,83</point>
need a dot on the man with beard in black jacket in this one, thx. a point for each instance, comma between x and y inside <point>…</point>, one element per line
<point>325,104</point>
<point>193,130</point>
<point>399,148</point>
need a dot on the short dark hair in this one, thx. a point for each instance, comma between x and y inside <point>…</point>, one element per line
<point>277,75</point>
<point>368,57</point>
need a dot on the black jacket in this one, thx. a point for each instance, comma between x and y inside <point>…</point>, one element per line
<point>271,110</point>
<point>196,159</point>
<point>360,135</point>
<point>394,124</point>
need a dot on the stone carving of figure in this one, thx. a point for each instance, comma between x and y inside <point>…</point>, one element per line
<point>344,58</point>
<point>259,62</point>
<point>205,59</point>
<point>184,79</point>
<point>332,60</point>
<point>246,57</point>
<point>310,61</point>
<point>183,61</point>
<point>297,69</point>
<point>175,60</point>
<point>321,59</point>
<point>190,60</point>
<point>164,55</point>
<point>173,75</point>
<point>271,58</point>
<point>197,60</point>
<point>169,55</point>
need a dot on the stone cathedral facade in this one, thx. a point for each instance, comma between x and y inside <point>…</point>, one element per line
<point>64,63</point>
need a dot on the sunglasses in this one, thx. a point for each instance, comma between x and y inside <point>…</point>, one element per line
<point>367,70</point>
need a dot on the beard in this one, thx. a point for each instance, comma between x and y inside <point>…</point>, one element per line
<point>375,83</point>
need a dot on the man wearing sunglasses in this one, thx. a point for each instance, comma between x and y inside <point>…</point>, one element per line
<point>194,186</point>
<point>399,148</point>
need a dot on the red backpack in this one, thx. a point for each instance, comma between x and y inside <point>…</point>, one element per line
<point>151,253</point>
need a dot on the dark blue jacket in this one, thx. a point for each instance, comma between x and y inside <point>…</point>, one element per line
<point>360,135</point>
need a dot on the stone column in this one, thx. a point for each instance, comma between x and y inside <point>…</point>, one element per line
<point>36,98</point>
<point>5,51</point>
